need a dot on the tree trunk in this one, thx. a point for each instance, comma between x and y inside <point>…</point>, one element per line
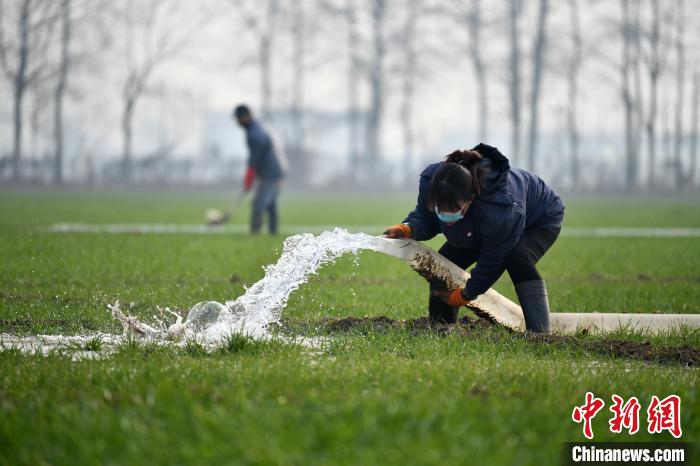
<point>694,130</point>
<point>376,82</point>
<point>474,21</point>
<point>408,87</point>
<point>651,127</point>
<point>127,118</point>
<point>638,98</point>
<point>666,136</point>
<point>19,88</point>
<point>680,94</point>
<point>265,49</point>
<point>299,69</point>
<point>630,156</point>
<point>572,110</point>
<point>60,92</point>
<point>514,82</point>
<point>36,169</point>
<point>17,129</point>
<point>654,75</point>
<point>353,92</point>
<point>296,145</point>
<point>538,73</point>
<point>265,81</point>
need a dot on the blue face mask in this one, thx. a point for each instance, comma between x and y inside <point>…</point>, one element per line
<point>449,217</point>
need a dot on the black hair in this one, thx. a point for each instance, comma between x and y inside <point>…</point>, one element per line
<point>241,110</point>
<point>456,181</point>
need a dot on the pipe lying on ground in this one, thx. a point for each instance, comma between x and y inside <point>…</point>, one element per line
<point>569,322</point>
<point>495,307</point>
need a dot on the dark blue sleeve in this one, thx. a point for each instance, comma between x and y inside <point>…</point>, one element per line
<point>424,223</point>
<point>499,239</point>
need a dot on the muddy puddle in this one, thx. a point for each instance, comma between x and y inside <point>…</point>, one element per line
<point>471,327</point>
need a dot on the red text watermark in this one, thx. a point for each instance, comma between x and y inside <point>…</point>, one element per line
<point>662,415</point>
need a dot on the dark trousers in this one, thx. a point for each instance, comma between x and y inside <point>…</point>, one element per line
<point>520,264</point>
<point>265,201</point>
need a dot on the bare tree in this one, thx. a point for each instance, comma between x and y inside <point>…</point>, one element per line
<point>538,64</point>
<point>627,29</point>
<point>514,81</point>
<point>298,29</point>
<point>39,98</point>
<point>353,79</point>
<point>637,68</point>
<point>60,90</point>
<point>665,116</point>
<point>575,59</point>
<point>23,57</point>
<point>151,39</point>
<point>304,22</point>
<point>655,60</point>
<point>376,83</point>
<point>261,20</point>
<point>680,94</point>
<point>348,11</point>
<point>469,16</point>
<point>475,20</point>
<point>694,126</point>
<point>409,72</point>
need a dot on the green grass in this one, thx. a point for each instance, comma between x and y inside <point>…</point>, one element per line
<point>366,397</point>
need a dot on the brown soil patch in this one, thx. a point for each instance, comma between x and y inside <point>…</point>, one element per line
<point>686,355</point>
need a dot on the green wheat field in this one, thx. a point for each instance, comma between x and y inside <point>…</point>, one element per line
<point>369,395</point>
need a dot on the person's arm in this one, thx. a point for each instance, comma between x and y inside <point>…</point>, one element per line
<point>256,150</point>
<point>423,223</point>
<point>499,239</point>
<point>249,178</point>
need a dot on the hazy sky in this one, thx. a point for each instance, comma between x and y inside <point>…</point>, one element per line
<point>216,70</point>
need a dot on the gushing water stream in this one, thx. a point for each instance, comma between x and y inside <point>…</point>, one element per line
<point>210,323</point>
<point>301,257</point>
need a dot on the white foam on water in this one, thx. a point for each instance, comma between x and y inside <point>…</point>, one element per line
<point>250,314</point>
<point>75,345</point>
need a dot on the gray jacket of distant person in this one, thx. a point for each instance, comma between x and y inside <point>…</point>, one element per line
<point>263,156</point>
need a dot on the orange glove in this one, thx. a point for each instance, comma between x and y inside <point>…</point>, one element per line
<point>398,231</point>
<point>249,178</point>
<point>453,298</point>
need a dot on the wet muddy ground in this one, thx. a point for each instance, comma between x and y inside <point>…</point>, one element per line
<point>470,327</point>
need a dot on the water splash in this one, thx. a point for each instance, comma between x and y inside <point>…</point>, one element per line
<point>262,303</point>
<point>211,323</point>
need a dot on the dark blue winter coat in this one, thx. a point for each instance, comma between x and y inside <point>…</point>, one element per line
<point>263,157</point>
<point>511,200</point>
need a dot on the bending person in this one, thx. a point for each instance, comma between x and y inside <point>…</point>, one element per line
<point>500,217</point>
<point>265,165</point>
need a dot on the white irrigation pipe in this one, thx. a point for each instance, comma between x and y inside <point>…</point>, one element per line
<point>496,307</point>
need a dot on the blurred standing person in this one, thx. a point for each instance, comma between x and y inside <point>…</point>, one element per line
<point>265,165</point>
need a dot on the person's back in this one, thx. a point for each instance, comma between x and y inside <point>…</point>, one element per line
<point>544,208</point>
<point>263,154</point>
